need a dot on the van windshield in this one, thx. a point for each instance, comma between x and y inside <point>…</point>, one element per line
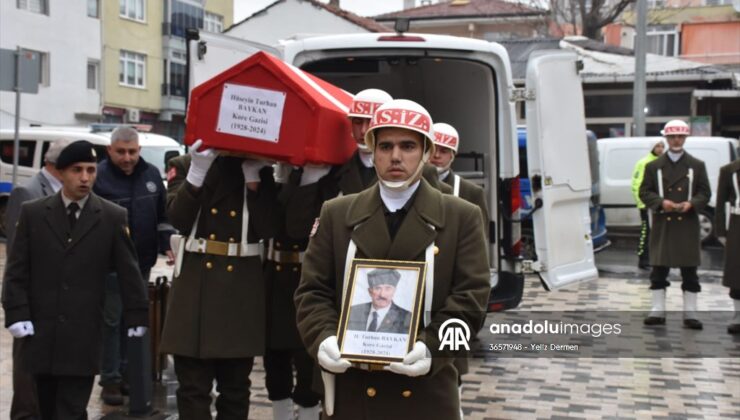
<point>155,156</point>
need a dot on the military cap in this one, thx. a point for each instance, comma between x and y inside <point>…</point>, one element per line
<point>78,151</point>
<point>383,276</point>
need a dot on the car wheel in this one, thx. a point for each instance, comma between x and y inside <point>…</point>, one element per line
<point>706,227</point>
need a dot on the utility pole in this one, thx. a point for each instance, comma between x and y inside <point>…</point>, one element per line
<point>639,90</point>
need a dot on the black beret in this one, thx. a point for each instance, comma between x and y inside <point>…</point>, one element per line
<point>78,151</point>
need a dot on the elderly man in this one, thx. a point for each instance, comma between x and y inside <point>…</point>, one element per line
<point>401,218</point>
<point>675,188</point>
<point>53,293</point>
<point>381,314</point>
<point>728,230</point>
<point>127,180</point>
<point>45,183</point>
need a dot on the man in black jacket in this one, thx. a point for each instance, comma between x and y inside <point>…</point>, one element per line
<point>127,180</point>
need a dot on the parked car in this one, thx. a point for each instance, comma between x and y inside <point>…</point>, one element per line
<point>618,157</point>
<point>598,226</point>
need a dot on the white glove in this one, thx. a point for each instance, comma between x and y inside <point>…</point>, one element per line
<point>312,173</point>
<point>21,329</point>
<point>200,163</point>
<point>137,331</point>
<point>251,169</point>
<point>330,357</point>
<point>416,363</point>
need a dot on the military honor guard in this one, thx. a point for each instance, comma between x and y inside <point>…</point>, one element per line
<point>215,323</point>
<point>675,188</point>
<point>727,222</point>
<point>400,218</point>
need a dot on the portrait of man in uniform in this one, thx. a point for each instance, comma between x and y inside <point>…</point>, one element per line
<point>381,314</point>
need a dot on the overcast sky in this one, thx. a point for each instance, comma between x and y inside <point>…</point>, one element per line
<point>244,8</point>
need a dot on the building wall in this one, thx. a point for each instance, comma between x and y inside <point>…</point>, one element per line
<point>120,33</point>
<point>711,42</point>
<point>290,18</point>
<point>224,8</point>
<point>71,38</point>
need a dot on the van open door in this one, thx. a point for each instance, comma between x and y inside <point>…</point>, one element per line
<point>209,54</point>
<point>557,154</point>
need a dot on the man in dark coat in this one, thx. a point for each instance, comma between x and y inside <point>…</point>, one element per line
<point>45,183</point>
<point>676,189</point>
<point>126,179</point>
<point>53,293</point>
<point>381,314</point>
<point>215,323</point>
<point>728,193</point>
<point>401,218</point>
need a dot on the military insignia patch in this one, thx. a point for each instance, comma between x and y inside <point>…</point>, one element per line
<point>171,174</point>
<point>314,228</point>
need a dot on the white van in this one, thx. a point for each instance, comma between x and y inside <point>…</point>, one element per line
<point>468,83</point>
<point>618,157</point>
<point>35,141</point>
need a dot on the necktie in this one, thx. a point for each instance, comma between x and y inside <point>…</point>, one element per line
<point>374,323</point>
<point>72,214</point>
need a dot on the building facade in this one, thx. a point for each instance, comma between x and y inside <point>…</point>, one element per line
<point>66,35</point>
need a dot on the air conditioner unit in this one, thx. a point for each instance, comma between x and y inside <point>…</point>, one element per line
<point>133,115</point>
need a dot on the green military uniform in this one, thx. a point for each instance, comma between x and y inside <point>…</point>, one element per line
<point>471,193</point>
<point>215,319</point>
<point>675,236</point>
<point>461,288</point>
<point>728,175</point>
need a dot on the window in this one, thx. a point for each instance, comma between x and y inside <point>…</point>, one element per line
<point>185,14</point>
<point>92,75</point>
<point>662,42</point>
<point>177,79</point>
<point>717,2</point>
<point>43,62</point>
<point>132,69</point>
<point>213,22</point>
<point>654,4</point>
<point>25,152</point>
<point>132,9</point>
<point>93,8</point>
<point>35,6</point>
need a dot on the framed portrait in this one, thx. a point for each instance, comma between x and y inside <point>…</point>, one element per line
<point>381,310</point>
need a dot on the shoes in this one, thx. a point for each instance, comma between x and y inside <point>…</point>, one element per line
<point>643,265</point>
<point>654,320</point>
<point>111,394</point>
<point>692,324</point>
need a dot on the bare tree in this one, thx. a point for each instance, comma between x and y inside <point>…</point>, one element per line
<point>586,17</point>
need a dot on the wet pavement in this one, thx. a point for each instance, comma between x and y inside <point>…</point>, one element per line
<point>552,387</point>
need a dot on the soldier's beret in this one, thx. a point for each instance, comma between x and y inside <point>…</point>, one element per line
<point>383,276</point>
<point>78,151</point>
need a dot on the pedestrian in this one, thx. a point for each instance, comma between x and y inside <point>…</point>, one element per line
<point>126,179</point>
<point>637,175</point>
<point>53,294</point>
<point>24,403</point>
<point>728,230</point>
<point>215,322</point>
<point>447,142</point>
<point>400,218</point>
<point>676,189</point>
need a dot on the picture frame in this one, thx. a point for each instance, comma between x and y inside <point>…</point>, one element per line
<point>381,310</point>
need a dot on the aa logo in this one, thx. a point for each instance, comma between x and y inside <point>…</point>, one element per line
<point>452,334</point>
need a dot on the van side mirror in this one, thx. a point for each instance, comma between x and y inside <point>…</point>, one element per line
<point>168,155</point>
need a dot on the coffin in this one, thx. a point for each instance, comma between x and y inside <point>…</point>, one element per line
<point>268,108</point>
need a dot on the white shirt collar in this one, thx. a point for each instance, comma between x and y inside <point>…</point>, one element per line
<point>366,159</point>
<point>395,200</point>
<point>444,175</point>
<point>674,156</point>
<point>55,184</point>
<point>381,315</point>
<point>81,203</point>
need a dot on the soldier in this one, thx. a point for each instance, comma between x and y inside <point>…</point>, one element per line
<point>215,321</point>
<point>637,175</point>
<point>728,192</point>
<point>675,188</point>
<point>400,218</point>
<point>447,141</point>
